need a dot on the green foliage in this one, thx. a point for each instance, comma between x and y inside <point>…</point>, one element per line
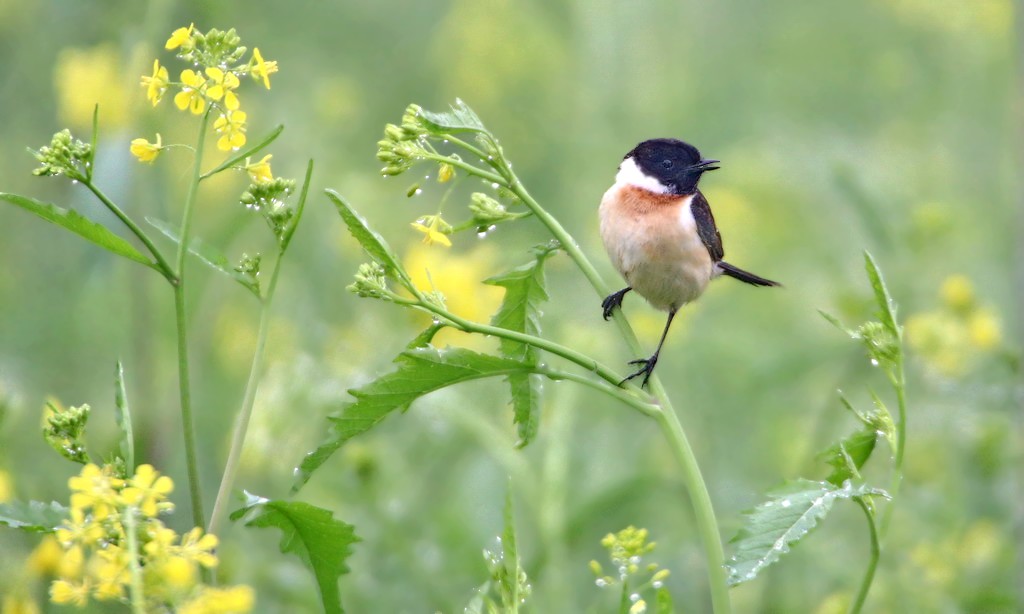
<point>246,152</point>
<point>461,118</point>
<point>65,431</point>
<point>65,155</point>
<point>373,243</point>
<point>322,542</point>
<point>420,371</point>
<point>210,255</point>
<point>34,516</point>
<point>508,579</point>
<point>123,416</point>
<point>773,527</point>
<point>81,226</point>
<point>520,311</point>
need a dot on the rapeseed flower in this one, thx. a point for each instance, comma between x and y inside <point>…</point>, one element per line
<point>155,84</point>
<point>146,151</point>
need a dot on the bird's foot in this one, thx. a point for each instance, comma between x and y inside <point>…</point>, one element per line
<point>612,301</point>
<point>646,369</point>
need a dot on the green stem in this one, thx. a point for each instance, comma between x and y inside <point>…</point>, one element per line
<point>165,268</point>
<point>900,385</point>
<point>632,400</point>
<point>876,550</point>
<point>135,587</point>
<point>245,413</point>
<point>184,388</point>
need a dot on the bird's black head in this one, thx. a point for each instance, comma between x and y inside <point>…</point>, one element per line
<point>674,164</point>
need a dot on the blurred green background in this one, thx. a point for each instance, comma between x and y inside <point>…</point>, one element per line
<point>887,125</point>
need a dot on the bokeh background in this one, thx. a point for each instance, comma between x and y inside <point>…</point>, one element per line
<point>887,125</point>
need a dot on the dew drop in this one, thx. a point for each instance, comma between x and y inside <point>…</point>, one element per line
<point>495,185</point>
<point>874,362</point>
<point>657,584</point>
<point>417,191</point>
<point>601,582</point>
<point>445,142</point>
<point>634,597</point>
<point>785,503</point>
<point>74,182</point>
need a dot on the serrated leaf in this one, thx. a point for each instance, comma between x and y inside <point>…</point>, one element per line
<point>420,371</point>
<point>525,291</point>
<point>250,151</point>
<point>123,416</point>
<point>208,254</point>
<point>774,526</point>
<point>849,454</point>
<point>34,516</point>
<point>313,534</point>
<point>373,243</point>
<point>81,226</point>
<point>886,307</point>
<point>461,118</point>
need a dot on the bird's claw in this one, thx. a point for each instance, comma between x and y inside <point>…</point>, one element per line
<point>612,301</point>
<point>646,369</point>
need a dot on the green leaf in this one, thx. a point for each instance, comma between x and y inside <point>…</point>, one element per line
<point>34,516</point>
<point>373,243</point>
<point>461,118</point>
<point>420,371</point>
<point>834,321</point>
<point>663,602</point>
<point>849,454</point>
<point>774,526</point>
<point>81,226</point>
<point>208,254</point>
<point>245,153</point>
<point>289,230</point>
<point>525,291</point>
<point>312,534</point>
<point>123,415</point>
<point>886,307</point>
<point>423,339</point>
<point>877,419</point>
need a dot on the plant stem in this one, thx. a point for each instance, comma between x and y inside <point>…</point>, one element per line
<point>899,384</point>
<point>184,389</point>
<point>165,268</point>
<point>138,597</point>
<point>245,413</point>
<point>876,550</point>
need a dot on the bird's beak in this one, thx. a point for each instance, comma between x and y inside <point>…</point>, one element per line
<point>706,165</point>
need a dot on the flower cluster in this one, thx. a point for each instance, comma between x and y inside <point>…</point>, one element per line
<point>626,550</point>
<point>65,430</point>
<point>952,337</point>
<point>220,66</point>
<point>65,155</point>
<point>115,548</point>
<point>268,197</point>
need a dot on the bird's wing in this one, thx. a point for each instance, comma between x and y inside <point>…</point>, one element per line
<point>706,228</point>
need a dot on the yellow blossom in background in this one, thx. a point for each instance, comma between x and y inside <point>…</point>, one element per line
<point>5,486</point>
<point>84,78</point>
<point>224,84</point>
<point>146,151</point>
<point>46,557</point>
<point>179,37</point>
<point>433,229</point>
<point>259,171</point>
<point>231,127</point>
<point>196,546</point>
<point>19,604</point>
<point>228,600</point>
<point>156,84</point>
<point>94,488</point>
<point>984,329</point>
<point>70,593</point>
<point>147,491</point>
<point>191,95</point>
<point>957,292</point>
<point>262,69</point>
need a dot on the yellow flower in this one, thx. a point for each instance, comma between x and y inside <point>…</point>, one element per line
<point>148,491</point>
<point>191,95</point>
<point>262,69</point>
<point>638,607</point>
<point>71,564</point>
<point>223,84</point>
<point>46,557</point>
<point>79,530</point>
<point>84,78</point>
<point>227,600</point>
<point>179,37</point>
<point>433,230</point>
<point>19,604</point>
<point>958,292</point>
<point>94,488</point>
<point>259,171</point>
<point>156,84</point>
<point>146,151</point>
<point>5,486</point>
<point>109,568</point>
<point>199,547</point>
<point>231,127</point>
<point>984,330</point>
<point>64,592</point>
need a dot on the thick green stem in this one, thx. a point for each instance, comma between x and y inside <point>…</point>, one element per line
<point>184,387</point>
<point>876,551</point>
<point>245,413</point>
<point>161,263</point>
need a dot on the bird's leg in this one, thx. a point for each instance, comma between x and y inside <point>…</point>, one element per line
<point>647,364</point>
<point>613,300</point>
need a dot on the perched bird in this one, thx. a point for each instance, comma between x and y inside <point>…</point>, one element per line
<point>660,234</point>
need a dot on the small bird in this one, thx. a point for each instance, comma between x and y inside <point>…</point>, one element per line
<point>660,234</point>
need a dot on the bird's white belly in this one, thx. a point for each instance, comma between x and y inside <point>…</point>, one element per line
<point>658,251</point>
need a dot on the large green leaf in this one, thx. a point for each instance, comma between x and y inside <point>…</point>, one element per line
<point>373,243</point>
<point>81,226</point>
<point>420,371</point>
<point>208,254</point>
<point>774,526</point>
<point>34,516</point>
<point>461,118</point>
<point>849,454</point>
<point>525,291</point>
<point>313,534</point>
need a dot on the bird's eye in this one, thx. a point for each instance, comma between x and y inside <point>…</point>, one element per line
<point>666,164</point>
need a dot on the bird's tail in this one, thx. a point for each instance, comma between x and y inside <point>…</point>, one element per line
<point>740,274</point>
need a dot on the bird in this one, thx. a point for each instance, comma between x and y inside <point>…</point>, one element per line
<point>660,235</point>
